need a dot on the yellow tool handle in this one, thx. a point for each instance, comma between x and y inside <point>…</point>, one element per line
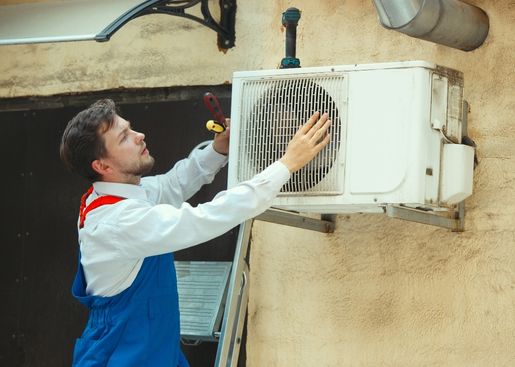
<point>214,126</point>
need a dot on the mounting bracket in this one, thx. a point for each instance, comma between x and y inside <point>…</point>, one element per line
<point>225,28</point>
<point>452,219</point>
<point>326,223</point>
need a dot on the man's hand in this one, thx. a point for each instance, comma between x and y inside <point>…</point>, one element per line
<point>221,141</point>
<point>310,139</point>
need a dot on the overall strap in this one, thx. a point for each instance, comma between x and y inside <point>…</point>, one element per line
<point>101,200</point>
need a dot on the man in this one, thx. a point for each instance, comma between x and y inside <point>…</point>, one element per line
<point>129,227</point>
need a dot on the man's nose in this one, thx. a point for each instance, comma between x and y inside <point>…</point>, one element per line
<point>139,136</point>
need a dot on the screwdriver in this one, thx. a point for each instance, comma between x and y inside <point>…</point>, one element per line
<point>218,124</point>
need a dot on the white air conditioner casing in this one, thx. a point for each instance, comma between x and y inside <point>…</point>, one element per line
<point>391,127</point>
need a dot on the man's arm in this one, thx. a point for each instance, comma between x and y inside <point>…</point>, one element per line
<point>153,230</point>
<point>190,174</point>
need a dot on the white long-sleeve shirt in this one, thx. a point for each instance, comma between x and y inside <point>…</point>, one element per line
<point>155,219</point>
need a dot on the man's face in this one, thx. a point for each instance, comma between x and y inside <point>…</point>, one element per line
<point>127,155</point>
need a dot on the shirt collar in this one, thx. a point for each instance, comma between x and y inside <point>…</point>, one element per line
<point>128,191</point>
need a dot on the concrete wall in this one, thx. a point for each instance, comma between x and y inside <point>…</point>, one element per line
<point>379,291</point>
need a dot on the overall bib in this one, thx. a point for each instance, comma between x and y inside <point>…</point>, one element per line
<point>137,327</point>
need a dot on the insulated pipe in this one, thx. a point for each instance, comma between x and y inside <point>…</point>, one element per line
<point>447,22</point>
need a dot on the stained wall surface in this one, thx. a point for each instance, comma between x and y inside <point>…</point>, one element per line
<point>379,291</point>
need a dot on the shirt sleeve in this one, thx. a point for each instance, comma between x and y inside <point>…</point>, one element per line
<point>185,178</point>
<point>151,230</point>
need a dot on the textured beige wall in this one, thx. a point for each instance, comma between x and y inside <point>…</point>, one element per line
<point>379,291</point>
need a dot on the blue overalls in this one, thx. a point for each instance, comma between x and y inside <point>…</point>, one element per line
<point>137,327</point>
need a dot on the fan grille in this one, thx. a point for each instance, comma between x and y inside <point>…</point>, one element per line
<point>272,110</point>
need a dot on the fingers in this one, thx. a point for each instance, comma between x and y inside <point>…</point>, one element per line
<point>322,131</point>
<point>319,124</point>
<point>227,128</point>
<point>308,125</point>
<point>309,140</point>
<point>224,134</point>
<point>323,143</point>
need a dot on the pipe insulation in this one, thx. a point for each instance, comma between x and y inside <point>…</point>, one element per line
<point>446,22</point>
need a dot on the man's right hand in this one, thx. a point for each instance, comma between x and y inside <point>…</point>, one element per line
<point>307,142</point>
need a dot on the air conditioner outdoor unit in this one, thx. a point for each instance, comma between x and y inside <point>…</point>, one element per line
<point>395,135</point>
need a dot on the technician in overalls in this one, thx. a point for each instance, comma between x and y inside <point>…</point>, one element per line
<point>129,227</point>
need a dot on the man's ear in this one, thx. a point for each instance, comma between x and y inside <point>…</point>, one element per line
<point>100,167</point>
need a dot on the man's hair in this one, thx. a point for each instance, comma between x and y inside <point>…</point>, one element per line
<point>82,141</point>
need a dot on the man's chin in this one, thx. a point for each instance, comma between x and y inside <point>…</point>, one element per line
<point>147,166</point>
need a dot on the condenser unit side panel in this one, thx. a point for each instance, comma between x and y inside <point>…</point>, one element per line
<point>415,135</point>
<point>379,126</point>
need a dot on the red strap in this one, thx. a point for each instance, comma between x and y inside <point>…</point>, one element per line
<point>101,200</point>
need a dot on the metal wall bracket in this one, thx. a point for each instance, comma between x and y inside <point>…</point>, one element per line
<point>225,28</point>
<point>453,219</point>
<point>325,224</point>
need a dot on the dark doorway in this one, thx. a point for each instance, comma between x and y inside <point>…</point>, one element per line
<point>40,319</point>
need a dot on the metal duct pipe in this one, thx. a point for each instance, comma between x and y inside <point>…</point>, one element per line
<point>447,22</point>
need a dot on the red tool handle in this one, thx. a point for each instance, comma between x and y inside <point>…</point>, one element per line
<point>213,106</point>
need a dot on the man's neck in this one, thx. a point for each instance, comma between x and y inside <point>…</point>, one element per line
<point>128,179</point>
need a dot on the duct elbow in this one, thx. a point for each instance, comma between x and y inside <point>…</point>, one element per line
<point>447,22</point>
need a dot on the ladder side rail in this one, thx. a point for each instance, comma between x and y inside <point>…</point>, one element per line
<point>235,282</point>
<point>235,345</point>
